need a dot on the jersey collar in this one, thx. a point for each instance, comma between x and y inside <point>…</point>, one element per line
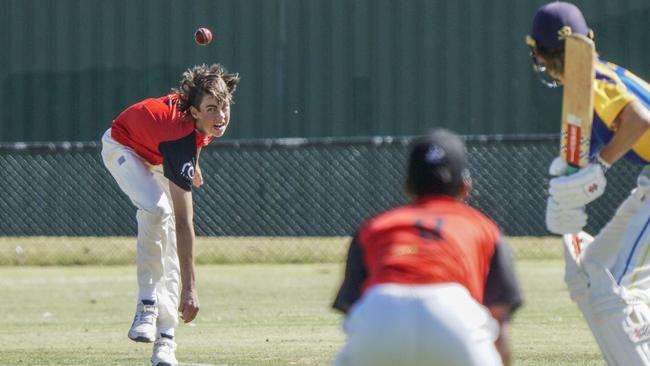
<point>425,200</point>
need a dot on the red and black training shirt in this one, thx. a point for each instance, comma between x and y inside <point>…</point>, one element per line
<point>434,240</point>
<point>161,134</point>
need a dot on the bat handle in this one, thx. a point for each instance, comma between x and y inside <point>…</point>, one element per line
<point>572,169</point>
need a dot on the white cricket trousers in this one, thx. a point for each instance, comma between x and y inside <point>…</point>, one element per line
<point>623,245</point>
<point>156,258</point>
<point>423,325</point>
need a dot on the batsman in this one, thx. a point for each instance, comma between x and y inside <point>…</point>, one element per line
<point>607,276</point>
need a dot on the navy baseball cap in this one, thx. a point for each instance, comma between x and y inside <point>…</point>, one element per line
<point>437,164</point>
<point>554,21</point>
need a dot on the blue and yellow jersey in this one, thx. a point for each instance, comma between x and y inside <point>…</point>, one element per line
<point>614,88</point>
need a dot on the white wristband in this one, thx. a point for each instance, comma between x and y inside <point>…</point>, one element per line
<point>603,164</point>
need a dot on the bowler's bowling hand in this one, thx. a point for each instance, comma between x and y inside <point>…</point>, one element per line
<point>189,305</point>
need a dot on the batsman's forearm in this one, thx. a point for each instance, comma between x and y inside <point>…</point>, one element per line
<point>620,144</point>
<point>185,246</point>
<point>632,123</point>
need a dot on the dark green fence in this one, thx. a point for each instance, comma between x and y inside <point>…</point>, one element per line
<point>310,68</point>
<point>291,187</point>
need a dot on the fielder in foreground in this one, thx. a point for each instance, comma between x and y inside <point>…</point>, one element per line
<point>608,277</point>
<point>425,282</point>
<point>152,150</point>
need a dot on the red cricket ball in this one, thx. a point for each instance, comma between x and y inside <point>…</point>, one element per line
<point>203,36</point>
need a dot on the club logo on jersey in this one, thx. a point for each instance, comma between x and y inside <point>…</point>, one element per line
<point>187,170</point>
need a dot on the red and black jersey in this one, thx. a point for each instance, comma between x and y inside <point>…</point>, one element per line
<point>434,240</point>
<point>161,134</point>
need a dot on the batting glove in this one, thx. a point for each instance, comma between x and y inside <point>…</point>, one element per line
<point>558,167</point>
<point>577,190</point>
<point>561,220</point>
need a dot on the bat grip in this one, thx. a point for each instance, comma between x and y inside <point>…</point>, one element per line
<point>572,169</point>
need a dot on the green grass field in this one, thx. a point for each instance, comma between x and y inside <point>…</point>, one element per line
<point>251,314</point>
<point>45,250</point>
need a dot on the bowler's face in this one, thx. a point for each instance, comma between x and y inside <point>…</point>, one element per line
<point>212,116</point>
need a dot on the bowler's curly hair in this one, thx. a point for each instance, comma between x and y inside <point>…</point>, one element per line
<point>202,80</point>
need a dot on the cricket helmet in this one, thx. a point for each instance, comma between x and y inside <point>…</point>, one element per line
<point>553,22</point>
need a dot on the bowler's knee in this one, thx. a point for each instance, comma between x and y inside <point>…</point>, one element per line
<point>158,212</point>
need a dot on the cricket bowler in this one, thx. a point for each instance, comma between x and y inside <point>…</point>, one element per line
<point>152,150</point>
<point>607,276</point>
<point>431,282</point>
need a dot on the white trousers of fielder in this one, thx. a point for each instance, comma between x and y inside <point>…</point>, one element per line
<point>157,258</point>
<point>419,325</point>
<point>609,278</point>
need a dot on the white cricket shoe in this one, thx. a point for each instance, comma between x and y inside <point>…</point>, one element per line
<point>143,328</point>
<point>164,352</point>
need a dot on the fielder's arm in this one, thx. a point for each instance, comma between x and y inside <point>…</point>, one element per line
<point>630,125</point>
<point>184,214</point>
<point>502,295</point>
<point>501,313</point>
<point>355,274</point>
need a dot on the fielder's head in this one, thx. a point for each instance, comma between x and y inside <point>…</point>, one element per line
<point>551,24</point>
<point>438,166</point>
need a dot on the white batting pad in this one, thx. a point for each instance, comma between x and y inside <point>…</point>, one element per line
<point>578,283</point>
<point>621,319</point>
<point>631,268</point>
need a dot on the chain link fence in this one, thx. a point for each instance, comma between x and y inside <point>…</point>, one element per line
<point>298,199</point>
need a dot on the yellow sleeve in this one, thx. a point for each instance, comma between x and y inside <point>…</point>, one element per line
<point>610,99</point>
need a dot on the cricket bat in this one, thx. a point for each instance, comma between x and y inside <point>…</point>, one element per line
<point>577,101</point>
<point>577,105</point>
